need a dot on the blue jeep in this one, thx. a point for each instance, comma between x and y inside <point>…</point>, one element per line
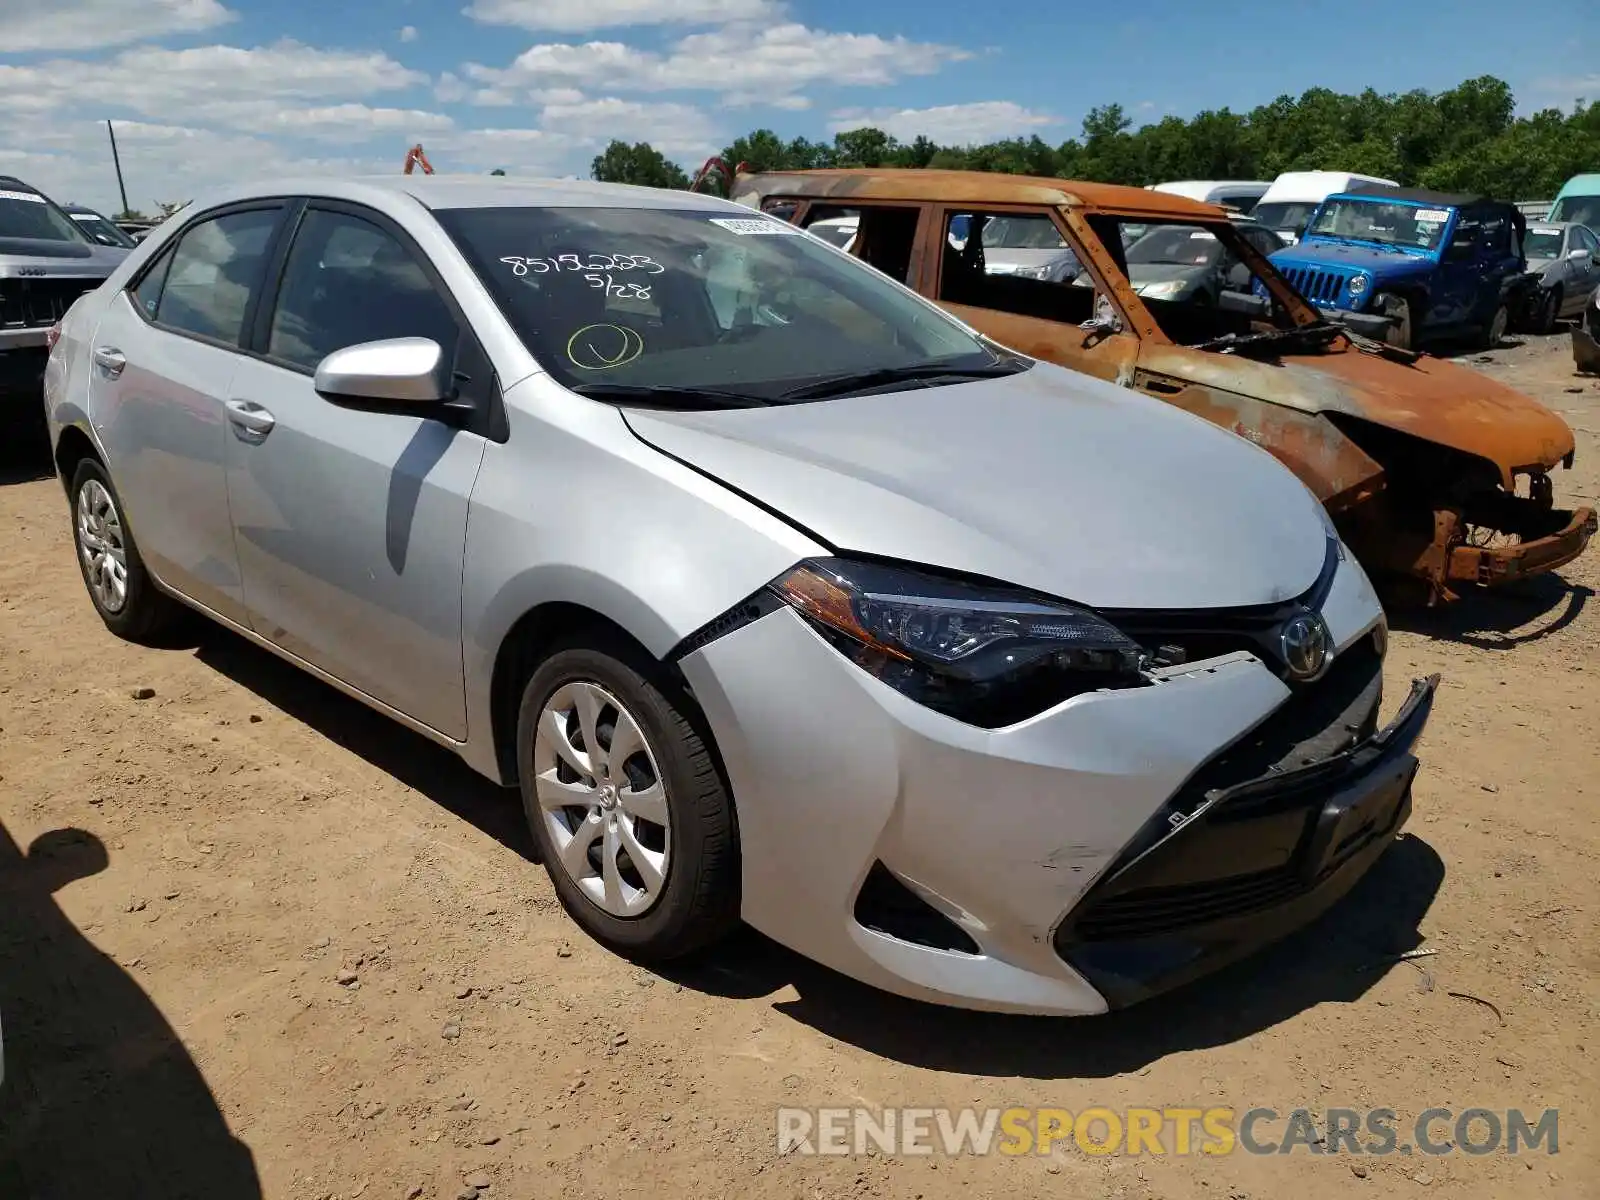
<point>1409,265</point>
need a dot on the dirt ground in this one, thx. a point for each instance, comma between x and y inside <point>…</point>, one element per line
<point>248,838</point>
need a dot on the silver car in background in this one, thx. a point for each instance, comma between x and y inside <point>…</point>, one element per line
<point>1565,257</point>
<point>780,594</point>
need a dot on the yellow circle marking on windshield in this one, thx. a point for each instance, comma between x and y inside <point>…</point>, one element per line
<point>604,347</point>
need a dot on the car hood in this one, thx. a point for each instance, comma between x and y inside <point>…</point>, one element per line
<point>1432,399</point>
<point>1144,274</point>
<point>1047,480</point>
<point>1352,257</point>
<point>1001,260</point>
<point>60,258</point>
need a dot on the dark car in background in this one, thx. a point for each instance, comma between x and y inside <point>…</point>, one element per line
<point>1430,264</point>
<point>99,226</point>
<point>46,262</point>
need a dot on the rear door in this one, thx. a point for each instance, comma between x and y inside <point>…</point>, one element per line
<point>352,524</point>
<point>162,360</point>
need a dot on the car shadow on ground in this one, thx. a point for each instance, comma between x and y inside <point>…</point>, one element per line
<point>421,765</point>
<point>1499,618</point>
<point>1337,960</point>
<point>100,1098</point>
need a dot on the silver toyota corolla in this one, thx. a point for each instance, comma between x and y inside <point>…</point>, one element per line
<point>779,593</point>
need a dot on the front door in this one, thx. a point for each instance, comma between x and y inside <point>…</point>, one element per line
<point>163,359</point>
<point>351,525</point>
<point>1012,275</point>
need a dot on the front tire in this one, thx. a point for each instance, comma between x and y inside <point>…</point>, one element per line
<point>1398,309</point>
<point>1549,309</point>
<point>1495,331</point>
<point>120,586</point>
<point>625,802</point>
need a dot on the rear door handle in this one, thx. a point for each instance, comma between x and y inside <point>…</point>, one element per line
<point>250,421</point>
<point>110,360</point>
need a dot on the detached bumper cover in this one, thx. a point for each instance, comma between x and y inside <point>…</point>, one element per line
<point>1251,864</point>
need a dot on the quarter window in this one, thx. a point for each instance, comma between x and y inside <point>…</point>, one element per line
<point>214,271</point>
<point>147,296</point>
<point>349,281</point>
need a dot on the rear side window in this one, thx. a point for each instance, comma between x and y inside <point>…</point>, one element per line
<point>147,295</point>
<point>349,281</point>
<point>214,271</point>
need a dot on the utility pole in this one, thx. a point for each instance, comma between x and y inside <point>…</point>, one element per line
<point>117,162</point>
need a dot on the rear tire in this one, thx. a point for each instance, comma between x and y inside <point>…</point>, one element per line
<point>1398,309</point>
<point>119,585</point>
<point>643,853</point>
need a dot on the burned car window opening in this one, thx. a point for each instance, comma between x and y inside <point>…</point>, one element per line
<point>705,308</point>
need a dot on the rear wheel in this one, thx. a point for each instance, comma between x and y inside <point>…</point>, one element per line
<point>120,587</point>
<point>1544,320</point>
<point>1495,331</point>
<point>1398,309</point>
<point>626,804</point>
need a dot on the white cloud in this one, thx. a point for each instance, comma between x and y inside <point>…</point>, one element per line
<point>769,63</point>
<point>341,122</point>
<point>72,162</point>
<point>408,33</point>
<point>948,124</point>
<point>577,16</point>
<point>184,85</point>
<point>94,24</point>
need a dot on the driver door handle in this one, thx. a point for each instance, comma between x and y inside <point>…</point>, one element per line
<point>250,421</point>
<point>110,360</point>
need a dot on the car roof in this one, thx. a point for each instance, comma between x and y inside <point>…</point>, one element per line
<point>909,183</point>
<point>467,191</point>
<point>1572,186</point>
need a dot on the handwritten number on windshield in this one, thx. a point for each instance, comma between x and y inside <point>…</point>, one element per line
<point>623,291</point>
<point>583,263</point>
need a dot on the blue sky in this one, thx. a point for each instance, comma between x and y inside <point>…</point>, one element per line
<point>207,90</point>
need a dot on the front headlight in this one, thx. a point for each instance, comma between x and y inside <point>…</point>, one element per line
<point>987,655</point>
<point>1358,285</point>
<point>1162,291</point>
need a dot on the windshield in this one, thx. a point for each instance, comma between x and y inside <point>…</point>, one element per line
<point>101,230</point>
<point>707,300</point>
<point>1285,216</point>
<point>1542,243</point>
<point>30,215</point>
<point>1585,210</point>
<point>1384,221</point>
<point>1021,233</point>
<point>1177,245</point>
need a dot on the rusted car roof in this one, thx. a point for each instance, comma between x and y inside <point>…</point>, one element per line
<point>974,186</point>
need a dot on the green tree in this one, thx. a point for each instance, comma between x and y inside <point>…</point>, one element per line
<point>640,163</point>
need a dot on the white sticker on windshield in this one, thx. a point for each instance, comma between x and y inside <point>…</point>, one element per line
<point>84,217</point>
<point>30,197</point>
<point>747,226</point>
<point>1433,216</point>
<point>1202,235</point>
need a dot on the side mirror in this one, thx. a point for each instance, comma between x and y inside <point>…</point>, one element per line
<point>397,371</point>
<point>1580,253</point>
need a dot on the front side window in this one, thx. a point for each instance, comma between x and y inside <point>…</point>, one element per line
<point>1388,223</point>
<point>697,300</point>
<point>215,270</point>
<point>27,214</point>
<point>349,281</point>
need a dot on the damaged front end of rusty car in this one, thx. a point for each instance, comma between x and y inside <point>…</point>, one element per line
<point>1437,476</point>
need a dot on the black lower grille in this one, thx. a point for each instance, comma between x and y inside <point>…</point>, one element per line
<point>39,303</point>
<point>888,906</point>
<point>1151,912</point>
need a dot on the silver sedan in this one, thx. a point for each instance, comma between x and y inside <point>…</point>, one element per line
<point>778,593</point>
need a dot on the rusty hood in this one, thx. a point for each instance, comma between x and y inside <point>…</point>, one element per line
<point>1432,399</point>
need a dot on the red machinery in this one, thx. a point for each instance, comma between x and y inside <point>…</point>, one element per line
<point>416,158</point>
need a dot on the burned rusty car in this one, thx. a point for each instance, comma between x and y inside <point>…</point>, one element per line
<point>1436,476</point>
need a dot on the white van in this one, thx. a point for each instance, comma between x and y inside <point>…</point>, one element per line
<point>1241,194</point>
<point>1288,204</point>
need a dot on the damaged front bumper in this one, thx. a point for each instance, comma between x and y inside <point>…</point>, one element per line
<point>1250,864</point>
<point>1548,538</point>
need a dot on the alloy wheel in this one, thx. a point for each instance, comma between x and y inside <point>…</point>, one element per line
<point>602,799</point>
<point>102,547</point>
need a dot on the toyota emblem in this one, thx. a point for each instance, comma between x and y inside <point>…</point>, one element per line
<point>1305,639</point>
